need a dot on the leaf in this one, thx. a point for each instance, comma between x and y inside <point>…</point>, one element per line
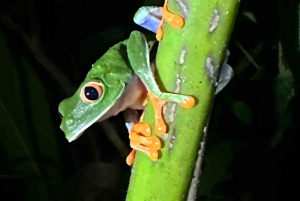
<point>214,170</point>
<point>250,16</point>
<point>276,138</point>
<point>27,136</point>
<point>243,112</point>
<point>284,91</point>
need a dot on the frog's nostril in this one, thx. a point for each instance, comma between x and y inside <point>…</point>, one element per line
<point>60,115</point>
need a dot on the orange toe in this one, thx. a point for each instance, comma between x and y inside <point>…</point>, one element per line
<point>188,103</point>
<point>152,152</point>
<point>175,20</point>
<point>151,141</point>
<point>142,128</point>
<point>130,158</point>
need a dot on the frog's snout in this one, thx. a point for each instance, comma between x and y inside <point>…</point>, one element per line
<point>60,115</point>
<point>61,109</point>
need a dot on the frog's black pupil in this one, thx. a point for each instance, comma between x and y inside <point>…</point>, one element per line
<point>91,93</point>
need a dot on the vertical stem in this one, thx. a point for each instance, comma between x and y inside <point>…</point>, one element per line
<point>188,62</point>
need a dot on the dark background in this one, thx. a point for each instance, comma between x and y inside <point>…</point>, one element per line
<point>46,49</point>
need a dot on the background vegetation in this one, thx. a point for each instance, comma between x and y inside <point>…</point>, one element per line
<point>46,49</point>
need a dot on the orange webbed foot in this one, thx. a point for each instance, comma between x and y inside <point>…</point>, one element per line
<point>160,125</point>
<point>141,140</point>
<point>175,20</point>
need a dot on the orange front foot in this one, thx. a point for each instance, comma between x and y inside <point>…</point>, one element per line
<point>175,20</point>
<point>141,140</point>
<point>189,102</point>
<point>160,125</point>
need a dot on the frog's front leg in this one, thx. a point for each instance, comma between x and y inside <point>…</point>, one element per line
<point>138,54</point>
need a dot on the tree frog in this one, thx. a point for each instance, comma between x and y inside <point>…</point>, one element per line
<point>122,78</point>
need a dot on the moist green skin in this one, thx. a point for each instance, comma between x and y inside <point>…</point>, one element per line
<point>112,71</point>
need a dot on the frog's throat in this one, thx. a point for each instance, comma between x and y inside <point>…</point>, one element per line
<point>71,137</point>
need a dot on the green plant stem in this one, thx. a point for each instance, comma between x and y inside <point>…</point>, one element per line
<point>188,62</point>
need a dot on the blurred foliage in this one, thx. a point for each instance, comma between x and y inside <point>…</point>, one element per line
<point>249,149</point>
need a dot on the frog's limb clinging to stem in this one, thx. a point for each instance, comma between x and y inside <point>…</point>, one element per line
<point>152,18</point>
<point>118,80</point>
<point>141,66</point>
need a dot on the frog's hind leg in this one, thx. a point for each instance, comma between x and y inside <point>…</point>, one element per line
<point>152,18</point>
<point>140,137</point>
<point>138,54</point>
<point>148,17</point>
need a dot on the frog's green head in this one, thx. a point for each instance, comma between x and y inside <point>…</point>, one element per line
<point>95,96</point>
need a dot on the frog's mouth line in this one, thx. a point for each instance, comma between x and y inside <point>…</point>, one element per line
<point>75,137</point>
<point>71,137</point>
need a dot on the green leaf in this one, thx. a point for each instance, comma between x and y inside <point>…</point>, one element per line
<point>27,137</point>
<point>284,91</point>
<point>218,157</point>
<point>276,138</point>
<point>243,112</point>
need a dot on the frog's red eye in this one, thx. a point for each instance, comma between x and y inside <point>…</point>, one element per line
<point>91,92</point>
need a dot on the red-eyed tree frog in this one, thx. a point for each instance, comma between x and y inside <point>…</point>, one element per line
<point>121,80</point>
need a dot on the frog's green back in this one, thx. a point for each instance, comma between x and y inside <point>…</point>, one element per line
<point>114,61</point>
